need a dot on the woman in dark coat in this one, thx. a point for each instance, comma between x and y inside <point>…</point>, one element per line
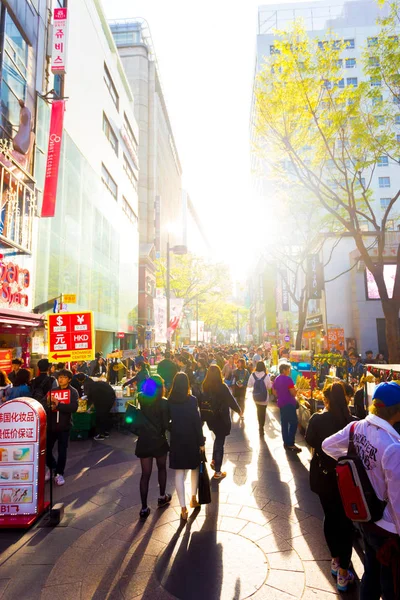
<point>338,528</point>
<point>187,440</point>
<point>152,442</point>
<point>219,422</point>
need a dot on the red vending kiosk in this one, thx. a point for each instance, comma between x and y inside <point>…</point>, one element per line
<point>22,462</point>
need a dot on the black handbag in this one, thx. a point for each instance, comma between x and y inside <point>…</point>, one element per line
<point>136,422</point>
<point>204,482</point>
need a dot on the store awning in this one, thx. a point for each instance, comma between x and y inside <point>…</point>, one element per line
<point>20,319</point>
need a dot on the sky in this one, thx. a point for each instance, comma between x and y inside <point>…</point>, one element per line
<point>206,55</point>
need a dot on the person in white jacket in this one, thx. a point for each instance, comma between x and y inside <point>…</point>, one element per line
<point>378,445</point>
<point>261,399</point>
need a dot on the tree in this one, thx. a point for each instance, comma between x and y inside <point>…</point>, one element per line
<point>327,139</point>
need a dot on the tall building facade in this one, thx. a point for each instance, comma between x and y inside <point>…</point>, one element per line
<point>23,40</point>
<point>357,313</point>
<point>91,246</point>
<point>159,188</point>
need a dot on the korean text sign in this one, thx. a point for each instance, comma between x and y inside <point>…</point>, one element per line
<point>71,336</point>
<point>60,41</point>
<point>22,444</point>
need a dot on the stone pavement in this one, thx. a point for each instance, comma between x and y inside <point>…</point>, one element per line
<point>260,538</point>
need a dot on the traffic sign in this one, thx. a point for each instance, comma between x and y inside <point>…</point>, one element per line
<point>69,298</point>
<point>71,336</point>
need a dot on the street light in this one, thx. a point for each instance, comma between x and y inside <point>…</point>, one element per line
<point>180,249</point>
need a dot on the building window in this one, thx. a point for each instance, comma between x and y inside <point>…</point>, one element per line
<point>110,135</point>
<point>385,203</point>
<point>383,161</point>
<point>372,41</point>
<point>129,171</point>
<point>340,84</point>
<point>111,87</point>
<point>350,63</point>
<point>376,82</point>
<point>352,81</point>
<point>109,182</point>
<point>128,211</point>
<point>384,182</point>
<point>14,76</point>
<point>273,50</point>
<point>131,141</point>
<point>339,63</point>
<point>377,100</point>
<point>350,44</point>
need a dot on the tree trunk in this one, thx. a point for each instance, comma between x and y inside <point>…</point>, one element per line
<point>391,311</point>
<point>303,304</point>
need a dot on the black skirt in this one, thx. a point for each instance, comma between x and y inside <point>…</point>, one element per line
<point>151,448</point>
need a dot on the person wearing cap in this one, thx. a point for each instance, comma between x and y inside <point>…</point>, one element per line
<point>378,445</point>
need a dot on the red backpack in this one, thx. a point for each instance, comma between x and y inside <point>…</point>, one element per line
<point>360,502</point>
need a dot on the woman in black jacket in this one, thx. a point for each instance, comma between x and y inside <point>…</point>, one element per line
<point>219,422</point>
<point>152,442</point>
<point>187,440</point>
<point>338,528</point>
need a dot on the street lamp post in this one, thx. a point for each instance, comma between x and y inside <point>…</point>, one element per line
<point>180,249</point>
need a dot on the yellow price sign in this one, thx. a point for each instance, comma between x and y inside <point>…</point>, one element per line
<point>69,298</point>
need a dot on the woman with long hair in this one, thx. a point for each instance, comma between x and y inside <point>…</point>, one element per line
<point>219,422</point>
<point>187,440</point>
<point>338,528</point>
<point>5,384</point>
<point>152,442</point>
<point>260,392</point>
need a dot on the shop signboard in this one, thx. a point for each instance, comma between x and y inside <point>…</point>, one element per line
<point>314,321</point>
<point>60,41</point>
<point>335,339</point>
<point>71,336</point>
<point>120,335</point>
<point>22,462</point>
<point>53,158</point>
<point>14,284</point>
<point>6,360</point>
<point>314,277</point>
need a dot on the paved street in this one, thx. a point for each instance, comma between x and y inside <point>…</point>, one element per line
<point>261,537</point>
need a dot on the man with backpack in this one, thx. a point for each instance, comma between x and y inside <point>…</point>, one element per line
<point>376,445</point>
<point>261,383</point>
<point>43,383</point>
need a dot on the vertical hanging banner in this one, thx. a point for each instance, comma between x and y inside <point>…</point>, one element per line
<point>53,159</point>
<point>285,292</point>
<point>315,277</point>
<point>160,320</point>
<point>176,308</point>
<point>60,40</point>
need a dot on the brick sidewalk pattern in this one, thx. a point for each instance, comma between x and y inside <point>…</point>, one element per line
<point>260,538</point>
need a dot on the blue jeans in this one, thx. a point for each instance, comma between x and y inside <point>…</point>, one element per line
<point>289,424</point>
<point>377,580</point>
<point>218,452</point>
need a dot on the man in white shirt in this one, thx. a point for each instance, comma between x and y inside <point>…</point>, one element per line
<point>378,445</point>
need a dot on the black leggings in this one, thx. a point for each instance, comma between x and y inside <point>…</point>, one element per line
<point>147,467</point>
<point>261,410</point>
<point>338,529</point>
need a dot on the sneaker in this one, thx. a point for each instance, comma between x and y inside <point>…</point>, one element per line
<point>47,475</point>
<point>335,566</point>
<point>184,514</point>
<point>294,449</point>
<point>144,513</point>
<point>212,465</point>
<point>220,475</point>
<point>99,437</point>
<point>194,503</point>
<point>106,435</point>
<point>164,500</point>
<point>343,581</point>
<point>59,480</point>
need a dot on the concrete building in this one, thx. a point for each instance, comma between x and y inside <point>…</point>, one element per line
<point>22,65</point>
<point>159,187</point>
<point>91,246</point>
<point>359,316</point>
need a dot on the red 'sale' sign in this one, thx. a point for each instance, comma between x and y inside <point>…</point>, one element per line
<point>53,158</point>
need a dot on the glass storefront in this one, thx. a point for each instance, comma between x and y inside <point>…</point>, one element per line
<point>90,248</point>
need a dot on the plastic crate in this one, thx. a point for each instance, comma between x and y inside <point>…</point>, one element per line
<point>79,434</point>
<point>83,420</point>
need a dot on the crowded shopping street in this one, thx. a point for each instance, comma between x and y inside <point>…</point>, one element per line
<point>199,300</point>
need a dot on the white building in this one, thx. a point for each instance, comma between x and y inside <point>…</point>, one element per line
<point>91,246</point>
<point>346,304</point>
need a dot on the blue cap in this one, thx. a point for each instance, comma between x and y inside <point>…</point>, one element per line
<point>388,393</point>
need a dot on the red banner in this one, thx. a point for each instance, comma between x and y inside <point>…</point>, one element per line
<point>5,360</point>
<point>53,158</point>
